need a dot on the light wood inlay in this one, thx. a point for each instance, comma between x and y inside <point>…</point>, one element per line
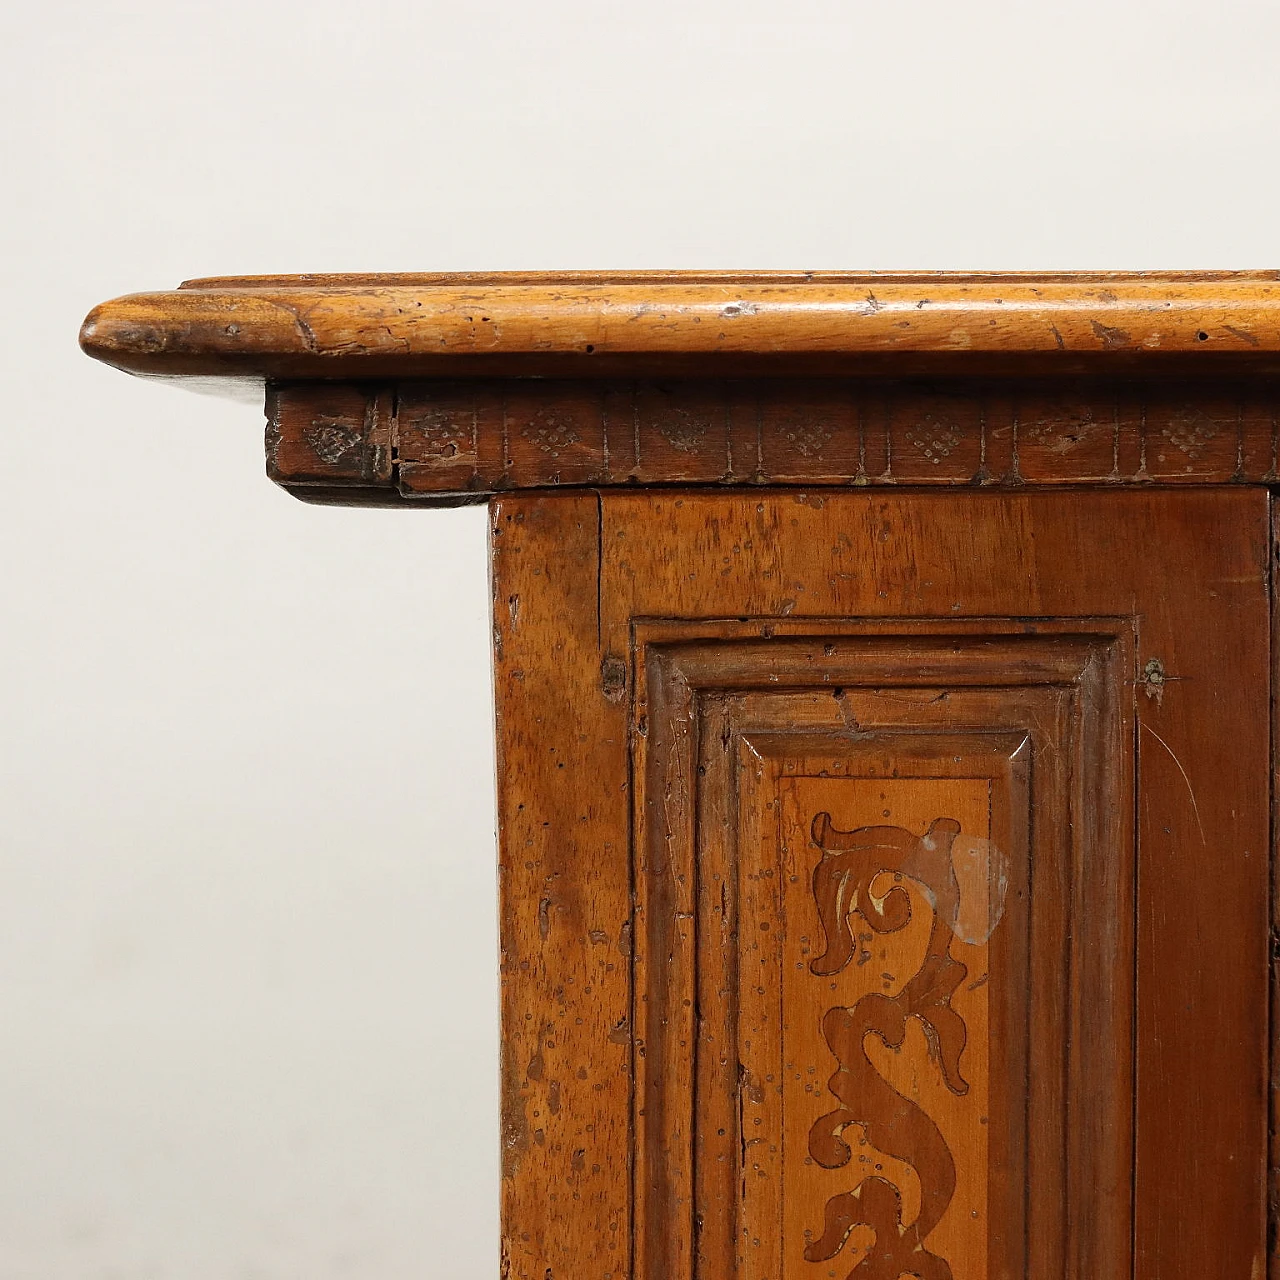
<point>939,1068</point>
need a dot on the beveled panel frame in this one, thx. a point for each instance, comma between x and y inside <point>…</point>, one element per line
<point>716,704</point>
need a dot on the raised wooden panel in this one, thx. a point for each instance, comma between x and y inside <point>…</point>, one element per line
<point>868,919</point>
<point>656,779</point>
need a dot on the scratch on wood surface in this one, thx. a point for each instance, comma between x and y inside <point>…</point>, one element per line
<point>1242,334</point>
<point>547,904</point>
<point>846,711</point>
<point>306,334</point>
<point>515,1123</point>
<point>1195,808</point>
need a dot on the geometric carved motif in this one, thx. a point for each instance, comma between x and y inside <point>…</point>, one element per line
<point>331,437</point>
<point>474,437</point>
<point>808,436</point>
<point>1191,431</point>
<point>682,429</point>
<point>935,439</point>
<point>549,432</point>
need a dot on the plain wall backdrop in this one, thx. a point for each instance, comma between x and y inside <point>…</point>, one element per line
<point>247,893</point>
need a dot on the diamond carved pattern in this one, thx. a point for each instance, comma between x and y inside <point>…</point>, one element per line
<point>934,438</point>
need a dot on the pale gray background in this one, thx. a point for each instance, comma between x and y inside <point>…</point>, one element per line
<point>247,941</point>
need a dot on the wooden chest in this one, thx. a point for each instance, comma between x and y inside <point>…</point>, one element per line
<point>883,672</point>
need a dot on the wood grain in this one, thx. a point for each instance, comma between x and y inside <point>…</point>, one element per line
<point>1199,1047</point>
<point>360,327</point>
<point>808,587</point>
<point>449,442</point>
<point>1273,1099</point>
<point>745,1198</point>
<point>565,903</point>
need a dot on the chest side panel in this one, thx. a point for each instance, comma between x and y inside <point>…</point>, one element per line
<point>789,655</point>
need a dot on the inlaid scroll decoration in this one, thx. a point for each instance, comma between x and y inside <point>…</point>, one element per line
<point>858,885</point>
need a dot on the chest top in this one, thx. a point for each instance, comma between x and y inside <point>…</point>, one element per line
<point>438,389</point>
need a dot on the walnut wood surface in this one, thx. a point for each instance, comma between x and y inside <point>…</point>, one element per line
<point>448,442</point>
<point>884,671</point>
<point>771,767</point>
<point>565,902</point>
<point>709,324</point>
<point>774,654</point>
